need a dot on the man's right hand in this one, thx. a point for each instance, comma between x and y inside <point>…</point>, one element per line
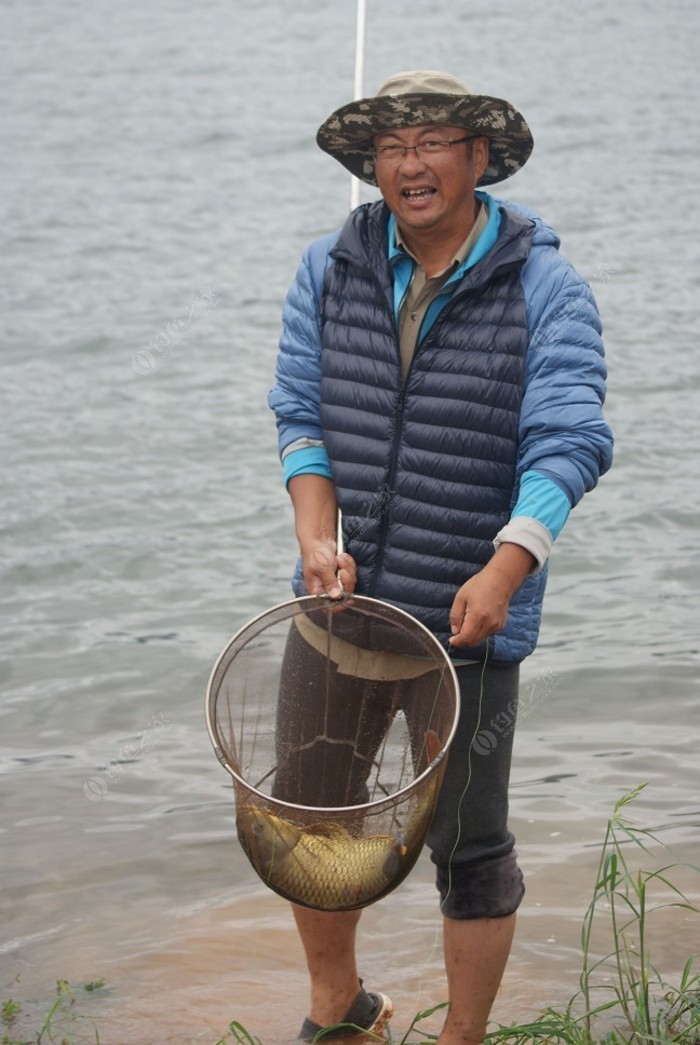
<point>327,573</point>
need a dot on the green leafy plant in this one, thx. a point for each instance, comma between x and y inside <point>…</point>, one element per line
<point>61,1014</point>
<point>623,999</point>
<point>9,1012</point>
<point>240,1036</point>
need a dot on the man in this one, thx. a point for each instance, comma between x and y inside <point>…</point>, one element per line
<point>440,379</point>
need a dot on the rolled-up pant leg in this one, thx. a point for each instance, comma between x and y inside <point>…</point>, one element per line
<point>472,847</point>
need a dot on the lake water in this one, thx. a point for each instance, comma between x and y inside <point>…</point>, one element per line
<point>160,174</point>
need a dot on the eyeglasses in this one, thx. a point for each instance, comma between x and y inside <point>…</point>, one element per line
<point>429,148</point>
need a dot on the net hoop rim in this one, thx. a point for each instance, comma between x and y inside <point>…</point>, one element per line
<point>386,800</point>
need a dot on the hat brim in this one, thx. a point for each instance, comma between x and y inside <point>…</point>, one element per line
<point>347,134</point>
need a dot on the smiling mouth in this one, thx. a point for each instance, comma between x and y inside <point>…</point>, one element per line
<point>418,194</point>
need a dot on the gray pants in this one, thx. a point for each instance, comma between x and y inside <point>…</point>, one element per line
<point>477,873</point>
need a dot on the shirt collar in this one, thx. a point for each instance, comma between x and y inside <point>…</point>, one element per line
<point>465,249</point>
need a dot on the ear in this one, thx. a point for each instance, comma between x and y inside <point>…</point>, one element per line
<point>480,156</point>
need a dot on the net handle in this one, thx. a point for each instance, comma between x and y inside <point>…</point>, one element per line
<point>340,547</point>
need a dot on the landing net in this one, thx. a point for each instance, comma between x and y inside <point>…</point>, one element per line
<point>334,720</point>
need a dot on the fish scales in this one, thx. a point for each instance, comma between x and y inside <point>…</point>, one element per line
<point>327,867</point>
<point>331,869</point>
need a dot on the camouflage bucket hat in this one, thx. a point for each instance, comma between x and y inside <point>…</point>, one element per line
<point>423,97</point>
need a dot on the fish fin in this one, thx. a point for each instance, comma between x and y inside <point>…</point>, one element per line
<point>394,858</point>
<point>433,745</point>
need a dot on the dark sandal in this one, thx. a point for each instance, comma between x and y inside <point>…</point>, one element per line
<point>370,1012</point>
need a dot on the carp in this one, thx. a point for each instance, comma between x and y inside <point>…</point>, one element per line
<point>323,865</point>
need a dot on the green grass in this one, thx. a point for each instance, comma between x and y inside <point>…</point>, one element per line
<point>56,1024</point>
<point>622,997</point>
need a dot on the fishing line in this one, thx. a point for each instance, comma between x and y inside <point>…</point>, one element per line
<point>461,799</point>
<point>469,777</point>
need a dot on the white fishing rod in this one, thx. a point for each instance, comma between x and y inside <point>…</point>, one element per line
<point>360,33</point>
<point>358,91</point>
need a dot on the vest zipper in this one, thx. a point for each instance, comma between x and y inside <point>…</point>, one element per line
<point>386,495</point>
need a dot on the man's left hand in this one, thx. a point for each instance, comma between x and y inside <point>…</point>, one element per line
<point>481,605</point>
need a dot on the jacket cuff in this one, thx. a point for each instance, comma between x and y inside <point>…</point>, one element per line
<point>529,534</point>
<point>308,460</point>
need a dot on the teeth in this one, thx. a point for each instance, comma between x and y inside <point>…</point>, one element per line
<point>418,193</point>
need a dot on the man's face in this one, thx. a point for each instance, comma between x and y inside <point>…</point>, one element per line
<point>430,190</point>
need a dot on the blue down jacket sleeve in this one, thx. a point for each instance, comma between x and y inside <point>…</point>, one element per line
<point>296,395</point>
<point>563,434</point>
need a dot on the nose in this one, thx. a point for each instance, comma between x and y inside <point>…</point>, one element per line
<point>412,158</point>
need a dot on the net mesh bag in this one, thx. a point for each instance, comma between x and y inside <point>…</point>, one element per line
<point>334,719</point>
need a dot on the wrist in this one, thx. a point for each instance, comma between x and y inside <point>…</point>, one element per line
<point>529,534</point>
<point>315,510</point>
<point>512,564</point>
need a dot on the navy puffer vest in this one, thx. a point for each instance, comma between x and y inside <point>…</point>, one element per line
<point>424,473</point>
